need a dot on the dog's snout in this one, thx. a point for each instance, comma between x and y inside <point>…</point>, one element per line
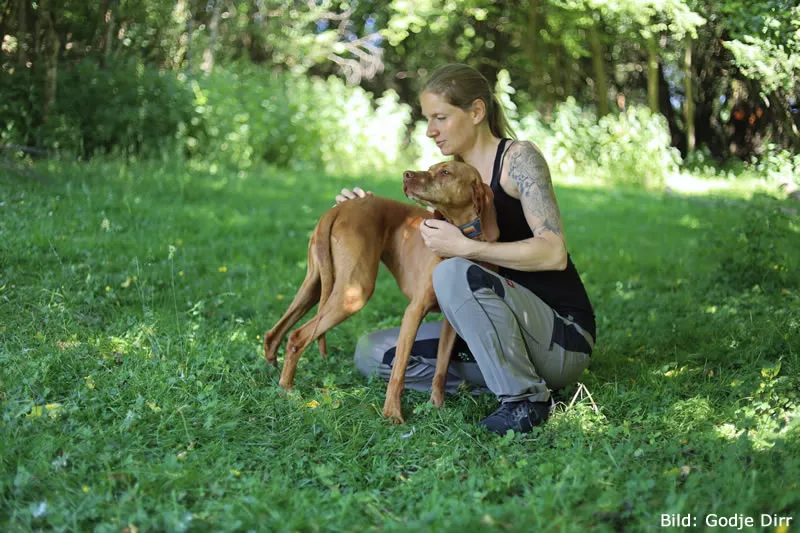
<point>407,175</point>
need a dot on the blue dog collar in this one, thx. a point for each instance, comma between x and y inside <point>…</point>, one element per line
<point>472,229</point>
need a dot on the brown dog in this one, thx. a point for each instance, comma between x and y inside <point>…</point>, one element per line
<point>346,248</point>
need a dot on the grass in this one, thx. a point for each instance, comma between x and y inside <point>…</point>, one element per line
<point>134,397</point>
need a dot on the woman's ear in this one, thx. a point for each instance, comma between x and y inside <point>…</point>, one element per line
<point>478,110</point>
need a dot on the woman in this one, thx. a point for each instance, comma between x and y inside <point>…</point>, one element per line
<point>530,327</point>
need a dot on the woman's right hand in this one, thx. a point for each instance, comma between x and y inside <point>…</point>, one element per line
<point>347,194</point>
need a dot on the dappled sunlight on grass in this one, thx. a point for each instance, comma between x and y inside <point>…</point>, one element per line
<point>746,187</point>
<point>690,414</point>
<point>579,417</point>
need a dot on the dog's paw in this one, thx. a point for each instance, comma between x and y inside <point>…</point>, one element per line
<point>437,398</point>
<point>393,413</point>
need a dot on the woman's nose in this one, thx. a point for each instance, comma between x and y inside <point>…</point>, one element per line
<point>431,131</point>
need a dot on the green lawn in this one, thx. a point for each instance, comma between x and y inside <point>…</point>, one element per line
<point>134,395</point>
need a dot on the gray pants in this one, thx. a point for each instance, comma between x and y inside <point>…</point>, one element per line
<point>375,355</point>
<point>520,348</point>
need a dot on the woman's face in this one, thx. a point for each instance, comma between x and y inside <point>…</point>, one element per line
<point>451,127</point>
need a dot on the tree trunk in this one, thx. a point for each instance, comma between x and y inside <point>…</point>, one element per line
<point>532,49</point>
<point>37,38</point>
<point>189,32</point>
<point>22,32</point>
<point>568,83</point>
<point>50,48</point>
<point>652,73</point>
<point>598,65</point>
<point>108,41</point>
<point>689,101</point>
<point>208,54</point>
<point>676,131</point>
<point>100,26</point>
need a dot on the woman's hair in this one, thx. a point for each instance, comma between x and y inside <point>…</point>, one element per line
<point>461,85</point>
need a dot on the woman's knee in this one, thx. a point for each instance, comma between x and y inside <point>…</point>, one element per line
<point>456,278</point>
<point>370,351</point>
<point>449,277</point>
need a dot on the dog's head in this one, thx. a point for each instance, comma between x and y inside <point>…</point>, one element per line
<point>457,193</point>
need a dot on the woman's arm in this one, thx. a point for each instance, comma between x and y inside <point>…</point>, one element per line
<point>530,183</point>
<point>547,250</point>
<point>536,254</point>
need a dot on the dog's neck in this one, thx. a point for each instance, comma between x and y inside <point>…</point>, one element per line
<point>472,230</point>
<point>468,222</point>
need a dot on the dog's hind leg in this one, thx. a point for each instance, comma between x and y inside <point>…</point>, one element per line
<point>307,297</point>
<point>350,293</point>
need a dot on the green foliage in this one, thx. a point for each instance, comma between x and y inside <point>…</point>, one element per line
<point>244,116</point>
<point>778,166</point>
<point>20,94</point>
<point>542,44</point>
<point>774,169</point>
<point>765,42</point>
<point>637,16</point>
<point>629,148</point>
<point>769,63</point>
<point>234,117</point>
<point>127,108</point>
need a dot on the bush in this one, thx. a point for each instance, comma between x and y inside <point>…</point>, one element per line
<point>779,167</point>
<point>20,106</point>
<point>244,116</point>
<point>126,108</point>
<point>630,148</point>
<point>777,170</point>
<point>234,117</point>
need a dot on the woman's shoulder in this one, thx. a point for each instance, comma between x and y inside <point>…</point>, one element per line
<point>522,146</point>
<point>524,157</point>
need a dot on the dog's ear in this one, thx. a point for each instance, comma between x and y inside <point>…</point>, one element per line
<point>483,198</point>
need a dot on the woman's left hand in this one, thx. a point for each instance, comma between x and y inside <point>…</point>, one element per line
<point>444,239</point>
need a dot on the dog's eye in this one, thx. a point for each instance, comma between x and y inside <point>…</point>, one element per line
<point>444,172</point>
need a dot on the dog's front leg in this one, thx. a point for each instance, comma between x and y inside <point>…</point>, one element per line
<point>447,338</point>
<point>412,318</point>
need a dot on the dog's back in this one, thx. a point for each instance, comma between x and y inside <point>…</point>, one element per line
<point>344,253</point>
<point>364,227</point>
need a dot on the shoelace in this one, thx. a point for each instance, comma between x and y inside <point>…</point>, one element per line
<point>511,413</point>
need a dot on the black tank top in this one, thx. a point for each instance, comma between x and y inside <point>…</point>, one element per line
<point>562,290</point>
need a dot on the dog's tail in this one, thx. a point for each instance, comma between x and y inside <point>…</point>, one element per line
<point>321,253</point>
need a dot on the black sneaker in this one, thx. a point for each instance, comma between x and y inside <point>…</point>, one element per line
<point>520,416</point>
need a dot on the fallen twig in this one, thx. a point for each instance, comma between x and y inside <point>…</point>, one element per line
<point>583,392</point>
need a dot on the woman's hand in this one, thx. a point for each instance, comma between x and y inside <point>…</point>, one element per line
<point>347,194</point>
<point>444,239</point>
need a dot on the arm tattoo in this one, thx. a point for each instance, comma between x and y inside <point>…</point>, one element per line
<point>530,173</point>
